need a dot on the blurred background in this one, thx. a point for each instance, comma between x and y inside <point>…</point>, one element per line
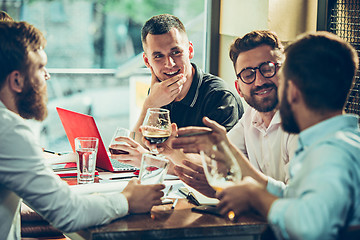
<point>95,57</point>
<point>95,54</point>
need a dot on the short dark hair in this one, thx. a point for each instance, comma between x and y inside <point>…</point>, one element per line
<point>161,24</point>
<point>253,40</point>
<point>5,17</point>
<point>17,39</point>
<point>323,67</point>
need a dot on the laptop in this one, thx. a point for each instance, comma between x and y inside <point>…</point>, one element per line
<point>82,125</point>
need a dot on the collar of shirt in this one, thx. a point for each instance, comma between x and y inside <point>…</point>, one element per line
<point>193,94</point>
<point>258,122</point>
<point>319,131</point>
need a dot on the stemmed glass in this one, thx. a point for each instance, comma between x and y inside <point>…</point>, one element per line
<point>156,127</point>
<point>220,167</point>
<point>115,146</point>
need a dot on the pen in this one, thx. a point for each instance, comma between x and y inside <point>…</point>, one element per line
<point>174,204</point>
<point>170,189</point>
<point>123,177</point>
<point>52,152</point>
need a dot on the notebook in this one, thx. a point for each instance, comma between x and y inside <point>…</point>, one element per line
<point>82,125</point>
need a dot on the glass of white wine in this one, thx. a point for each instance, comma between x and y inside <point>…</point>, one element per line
<point>156,127</point>
<point>221,168</point>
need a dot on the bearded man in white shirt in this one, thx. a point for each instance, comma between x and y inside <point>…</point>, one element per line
<point>257,57</point>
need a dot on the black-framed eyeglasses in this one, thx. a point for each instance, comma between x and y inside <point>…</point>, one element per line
<point>266,69</point>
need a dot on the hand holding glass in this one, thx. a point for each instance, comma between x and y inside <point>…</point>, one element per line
<point>115,146</point>
<point>221,168</point>
<point>153,169</point>
<point>156,127</point>
<point>86,149</point>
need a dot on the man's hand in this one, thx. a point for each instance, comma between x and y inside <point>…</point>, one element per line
<point>134,149</point>
<point>176,156</point>
<point>196,143</point>
<point>164,92</point>
<point>245,196</point>
<point>141,198</point>
<point>194,176</point>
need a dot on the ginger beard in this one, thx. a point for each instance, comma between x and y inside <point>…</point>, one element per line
<point>31,102</point>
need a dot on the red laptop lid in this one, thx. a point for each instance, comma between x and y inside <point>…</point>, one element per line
<point>82,125</point>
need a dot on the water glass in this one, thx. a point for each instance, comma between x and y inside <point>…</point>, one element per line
<point>86,149</point>
<point>153,169</point>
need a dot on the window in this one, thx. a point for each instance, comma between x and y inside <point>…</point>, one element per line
<point>95,56</point>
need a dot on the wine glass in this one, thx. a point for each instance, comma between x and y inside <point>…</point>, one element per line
<point>115,146</point>
<point>156,127</point>
<point>221,168</point>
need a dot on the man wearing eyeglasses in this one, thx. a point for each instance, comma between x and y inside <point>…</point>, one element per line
<point>257,58</point>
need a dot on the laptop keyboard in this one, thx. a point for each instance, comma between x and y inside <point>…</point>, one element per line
<point>119,166</point>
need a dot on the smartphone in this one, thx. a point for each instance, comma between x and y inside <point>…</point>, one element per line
<point>210,209</point>
<point>195,134</point>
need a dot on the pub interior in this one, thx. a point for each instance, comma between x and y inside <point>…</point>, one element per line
<point>95,60</point>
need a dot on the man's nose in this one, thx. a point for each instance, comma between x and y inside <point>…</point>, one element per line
<point>259,79</point>
<point>169,62</point>
<point>47,75</point>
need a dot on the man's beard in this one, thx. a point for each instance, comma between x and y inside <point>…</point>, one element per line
<point>31,102</point>
<point>288,121</point>
<point>266,104</point>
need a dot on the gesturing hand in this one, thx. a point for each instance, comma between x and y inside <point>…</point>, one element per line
<point>193,175</point>
<point>196,143</point>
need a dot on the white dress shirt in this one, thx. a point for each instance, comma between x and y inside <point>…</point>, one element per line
<point>24,174</point>
<point>268,149</point>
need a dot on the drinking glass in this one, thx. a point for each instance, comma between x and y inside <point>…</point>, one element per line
<point>153,169</point>
<point>156,127</point>
<point>221,168</point>
<point>86,149</point>
<point>115,146</point>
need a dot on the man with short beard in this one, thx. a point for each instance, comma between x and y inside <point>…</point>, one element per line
<point>23,172</point>
<point>257,58</point>
<point>322,198</point>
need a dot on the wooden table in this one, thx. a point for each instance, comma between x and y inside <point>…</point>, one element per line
<point>180,223</point>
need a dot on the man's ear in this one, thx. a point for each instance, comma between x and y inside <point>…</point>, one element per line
<point>293,93</point>
<point>146,60</point>
<point>16,81</point>
<point>191,50</point>
<point>238,88</point>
